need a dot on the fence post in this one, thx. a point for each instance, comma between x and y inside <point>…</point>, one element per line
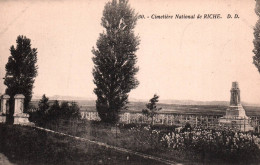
<point>258,126</point>
<point>181,121</point>
<point>207,121</point>
<point>77,123</point>
<point>244,124</point>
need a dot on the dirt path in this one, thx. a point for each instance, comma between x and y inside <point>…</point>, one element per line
<point>4,160</point>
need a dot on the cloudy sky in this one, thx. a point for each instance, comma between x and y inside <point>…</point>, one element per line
<point>178,58</point>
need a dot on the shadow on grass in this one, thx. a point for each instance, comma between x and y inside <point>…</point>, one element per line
<point>26,145</point>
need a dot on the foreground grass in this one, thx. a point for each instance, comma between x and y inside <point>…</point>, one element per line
<point>138,138</point>
<point>127,138</point>
<point>26,145</point>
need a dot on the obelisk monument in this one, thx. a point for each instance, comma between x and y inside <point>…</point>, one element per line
<point>235,109</point>
<point>235,114</point>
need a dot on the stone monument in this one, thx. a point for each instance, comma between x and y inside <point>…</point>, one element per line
<point>235,114</point>
<point>5,104</point>
<point>19,116</point>
<point>2,116</point>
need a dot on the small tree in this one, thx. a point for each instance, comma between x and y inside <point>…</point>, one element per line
<point>151,108</point>
<point>115,60</point>
<point>54,111</point>
<point>39,116</point>
<point>44,104</point>
<point>21,70</point>
<point>69,110</point>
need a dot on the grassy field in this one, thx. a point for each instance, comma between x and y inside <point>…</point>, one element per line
<point>123,136</point>
<point>142,139</point>
<point>186,109</point>
<point>146,139</point>
<point>26,145</point>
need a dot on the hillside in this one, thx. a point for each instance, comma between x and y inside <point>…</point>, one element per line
<point>202,108</point>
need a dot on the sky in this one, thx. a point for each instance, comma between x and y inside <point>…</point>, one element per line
<point>183,59</point>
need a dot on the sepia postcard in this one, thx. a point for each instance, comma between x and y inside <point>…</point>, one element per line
<point>129,82</point>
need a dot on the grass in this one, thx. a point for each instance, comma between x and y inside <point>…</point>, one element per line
<point>137,138</point>
<point>26,145</point>
<point>134,140</point>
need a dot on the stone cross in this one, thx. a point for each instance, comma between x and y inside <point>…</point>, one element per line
<point>18,104</point>
<point>5,104</point>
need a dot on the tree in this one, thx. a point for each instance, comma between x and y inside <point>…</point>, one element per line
<point>43,104</point>
<point>39,116</point>
<point>151,108</point>
<point>69,110</point>
<point>256,51</point>
<point>115,60</point>
<point>21,70</point>
<point>54,111</point>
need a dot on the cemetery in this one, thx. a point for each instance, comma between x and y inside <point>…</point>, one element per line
<point>91,57</point>
<point>203,137</point>
<point>235,117</point>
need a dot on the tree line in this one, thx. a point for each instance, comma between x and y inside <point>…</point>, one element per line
<point>46,112</point>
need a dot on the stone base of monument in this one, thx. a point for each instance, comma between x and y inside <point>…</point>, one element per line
<point>22,119</point>
<point>238,123</point>
<point>236,111</point>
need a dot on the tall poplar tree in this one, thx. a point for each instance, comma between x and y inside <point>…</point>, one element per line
<point>21,70</point>
<point>115,60</point>
<point>256,57</point>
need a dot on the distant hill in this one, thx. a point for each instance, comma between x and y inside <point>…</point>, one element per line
<point>91,101</point>
<point>58,97</point>
<point>168,106</point>
<point>193,102</point>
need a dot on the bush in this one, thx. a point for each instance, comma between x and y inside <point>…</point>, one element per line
<point>67,111</point>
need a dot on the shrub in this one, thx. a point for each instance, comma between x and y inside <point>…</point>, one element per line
<point>46,113</point>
